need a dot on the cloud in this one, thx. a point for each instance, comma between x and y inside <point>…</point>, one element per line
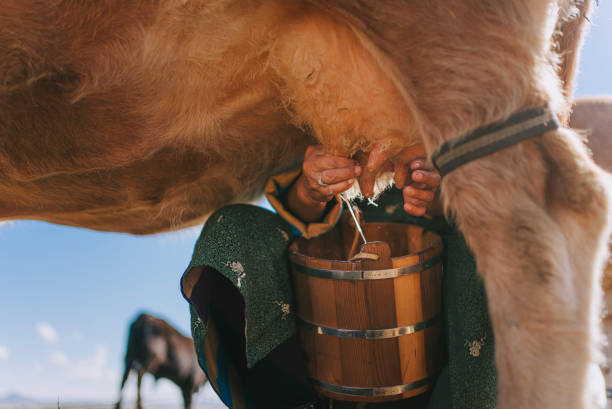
<point>93,367</point>
<point>4,352</point>
<point>59,358</point>
<point>46,332</point>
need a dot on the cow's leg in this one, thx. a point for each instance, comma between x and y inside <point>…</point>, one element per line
<point>595,116</point>
<point>187,392</point>
<point>538,242</point>
<point>126,374</point>
<point>139,383</point>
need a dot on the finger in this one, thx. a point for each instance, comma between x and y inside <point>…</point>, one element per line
<point>410,192</point>
<point>414,210</point>
<point>418,163</point>
<point>332,176</point>
<point>428,177</point>
<point>324,161</point>
<point>414,201</point>
<point>338,188</point>
<point>420,186</point>
<point>414,207</point>
<point>330,189</point>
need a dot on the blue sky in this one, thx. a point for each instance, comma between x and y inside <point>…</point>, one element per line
<point>67,295</point>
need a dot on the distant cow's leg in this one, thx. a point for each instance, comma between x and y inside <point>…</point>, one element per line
<point>126,373</point>
<point>187,392</point>
<point>138,400</point>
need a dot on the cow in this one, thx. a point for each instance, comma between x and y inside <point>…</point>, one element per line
<point>146,116</point>
<point>157,348</point>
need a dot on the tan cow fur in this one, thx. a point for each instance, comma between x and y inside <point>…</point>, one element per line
<point>145,116</point>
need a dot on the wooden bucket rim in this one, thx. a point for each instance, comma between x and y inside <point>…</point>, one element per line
<point>374,391</point>
<point>352,269</point>
<point>362,274</point>
<point>371,333</point>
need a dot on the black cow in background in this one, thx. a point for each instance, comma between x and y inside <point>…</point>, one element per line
<point>155,347</point>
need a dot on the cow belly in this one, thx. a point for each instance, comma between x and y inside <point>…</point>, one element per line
<point>148,126</point>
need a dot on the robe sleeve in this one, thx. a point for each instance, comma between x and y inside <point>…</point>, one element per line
<point>275,190</point>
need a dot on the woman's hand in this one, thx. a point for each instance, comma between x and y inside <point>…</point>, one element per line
<point>421,192</point>
<point>418,183</point>
<point>323,176</point>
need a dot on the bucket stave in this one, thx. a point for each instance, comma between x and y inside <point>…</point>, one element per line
<point>370,329</point>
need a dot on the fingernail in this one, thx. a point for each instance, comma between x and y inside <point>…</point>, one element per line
<point>418,175</point>
<point>357,170</point>
<point>416,164</point>
<point>351,181</point>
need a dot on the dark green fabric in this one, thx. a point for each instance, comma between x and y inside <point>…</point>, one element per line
<point>252,236</point>
<point>470,343</point>
<point>248,245</point>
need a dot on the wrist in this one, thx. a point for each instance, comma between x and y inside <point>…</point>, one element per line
<point>304,197</point>
<point>302,204</point>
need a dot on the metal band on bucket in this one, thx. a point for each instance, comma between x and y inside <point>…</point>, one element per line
<point>369,333</point>
<point>371,391</point>
<point>367,274</point>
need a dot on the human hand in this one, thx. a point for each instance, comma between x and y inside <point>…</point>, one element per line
<point>379,160</point>
<point>325,175</point>
<point>418,183</point>
<point>419,194</point>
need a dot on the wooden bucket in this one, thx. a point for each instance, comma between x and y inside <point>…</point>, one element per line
<point>371,330</point>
